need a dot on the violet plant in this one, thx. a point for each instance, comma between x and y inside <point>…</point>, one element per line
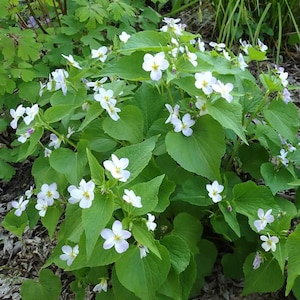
<point>147,147</point>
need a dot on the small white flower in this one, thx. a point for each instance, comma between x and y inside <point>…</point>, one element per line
<point>201,45</point>
<point>241,62</point>
<point>97,84</point>
<point>286,96</point>
<point>41,206</point>
<point>174,113</point>
<point>48,193</point>
<point>224,90</point>
<point>155,65</point>
<point>117,167</point>
<point>143,251</point>
<point>214,191</point>
<point>217,46</point>
<point>226,55</point>
<point>84,194</point>
<point>47,152</point>
<point>269,242</point>
<point>100,53</point>
<point>71,61</point>
<point>19,205</point>
<point>257,261</point>
<point>57,80</point>
<point>31,112</point>
<point>204,81</point>
<point>132,199</point>
<point>69,253</point>
<point>151,225</point>
<point>42,86</point>
<point>173,25</point>
<point>124,37</point>
<point>262,46</point>
<point>184,125</point>
<point>113,111</point>
<point>29,193</point>
<point>282,157</point>
<point>264,219</point>
<point>16,115</point>
<point>244,46</point>
<point>70,132</point>
<point>201,105</point>
<point>105,98</point>
<point>101,286</point>
<point>23,137</point>
<point>116,237</point>
<point>283,78</point>
<point>192,57</point>
<point>55,141</point>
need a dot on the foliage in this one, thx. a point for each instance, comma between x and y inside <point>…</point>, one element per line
<point>146,147</point>
<point>277,21</point>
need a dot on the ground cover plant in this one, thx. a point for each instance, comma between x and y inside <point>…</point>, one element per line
<point>153,153</point>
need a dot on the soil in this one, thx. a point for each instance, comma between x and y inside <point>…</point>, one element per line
<point>21,259</point>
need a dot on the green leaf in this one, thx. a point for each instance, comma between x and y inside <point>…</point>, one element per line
<point>229,115</point>
<point>202,152</point>
<point>276,180</point>
<point>151,103</point>
<point>255,54</point>
<point>121,69</point>
<point>51,218</point>
<point>189,228</point>
<point>48,287</point>
<point>230,218</point>
<point>193,191</point>
<point>69,163</point>
<point>267,278</point>
<point>249,164</point>
<point>139,156</point>
<point>283,118</point>
<point>292,245</point>
<point>178,250</point>
<point>144,237</point>
<point>29,48</point>
<point>146,274</point>
<point>97,171</point>
<point>43,172</point>
<point>95,218</point>
<point>249,197</point>
<point>6,170</point>
<point>188,278</point>
<point>128,128</point>
<point>93,112</point>
<point>146,41</point>
<point>205,261</point>
<point>14,224</point>
<point>58,112</point>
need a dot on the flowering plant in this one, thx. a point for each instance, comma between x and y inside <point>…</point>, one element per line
<point>141,145</point>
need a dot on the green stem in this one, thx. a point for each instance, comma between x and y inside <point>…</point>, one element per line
<point>183,7</point>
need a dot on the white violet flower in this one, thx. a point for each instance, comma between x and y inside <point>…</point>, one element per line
<point>69,253</point>
<point>264,219</point>
<point>100,53</point>
<point>84,194</point>
<point>101,286</point>
<point>31,112</point>
<point>117,167</point>
<point>269,242</point>
<point>204,81</point>
<point>214,191</point>
<point>151,225</point>
<point>116,237</point>
<point>124,37</point>
<point>41,206</point>
<point>143,251</point>
<point>174,113</point>
<point>71,61</point>
<point>257,261</point>
<point>48,193</point>
<point>282,157</point>
<point>224,90</point>
<point>19,205</point>
<point>184,125</point>
<point>16,115</point>
<point>55,141</point>
<point>130,197</point>
<point>155,65</point>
